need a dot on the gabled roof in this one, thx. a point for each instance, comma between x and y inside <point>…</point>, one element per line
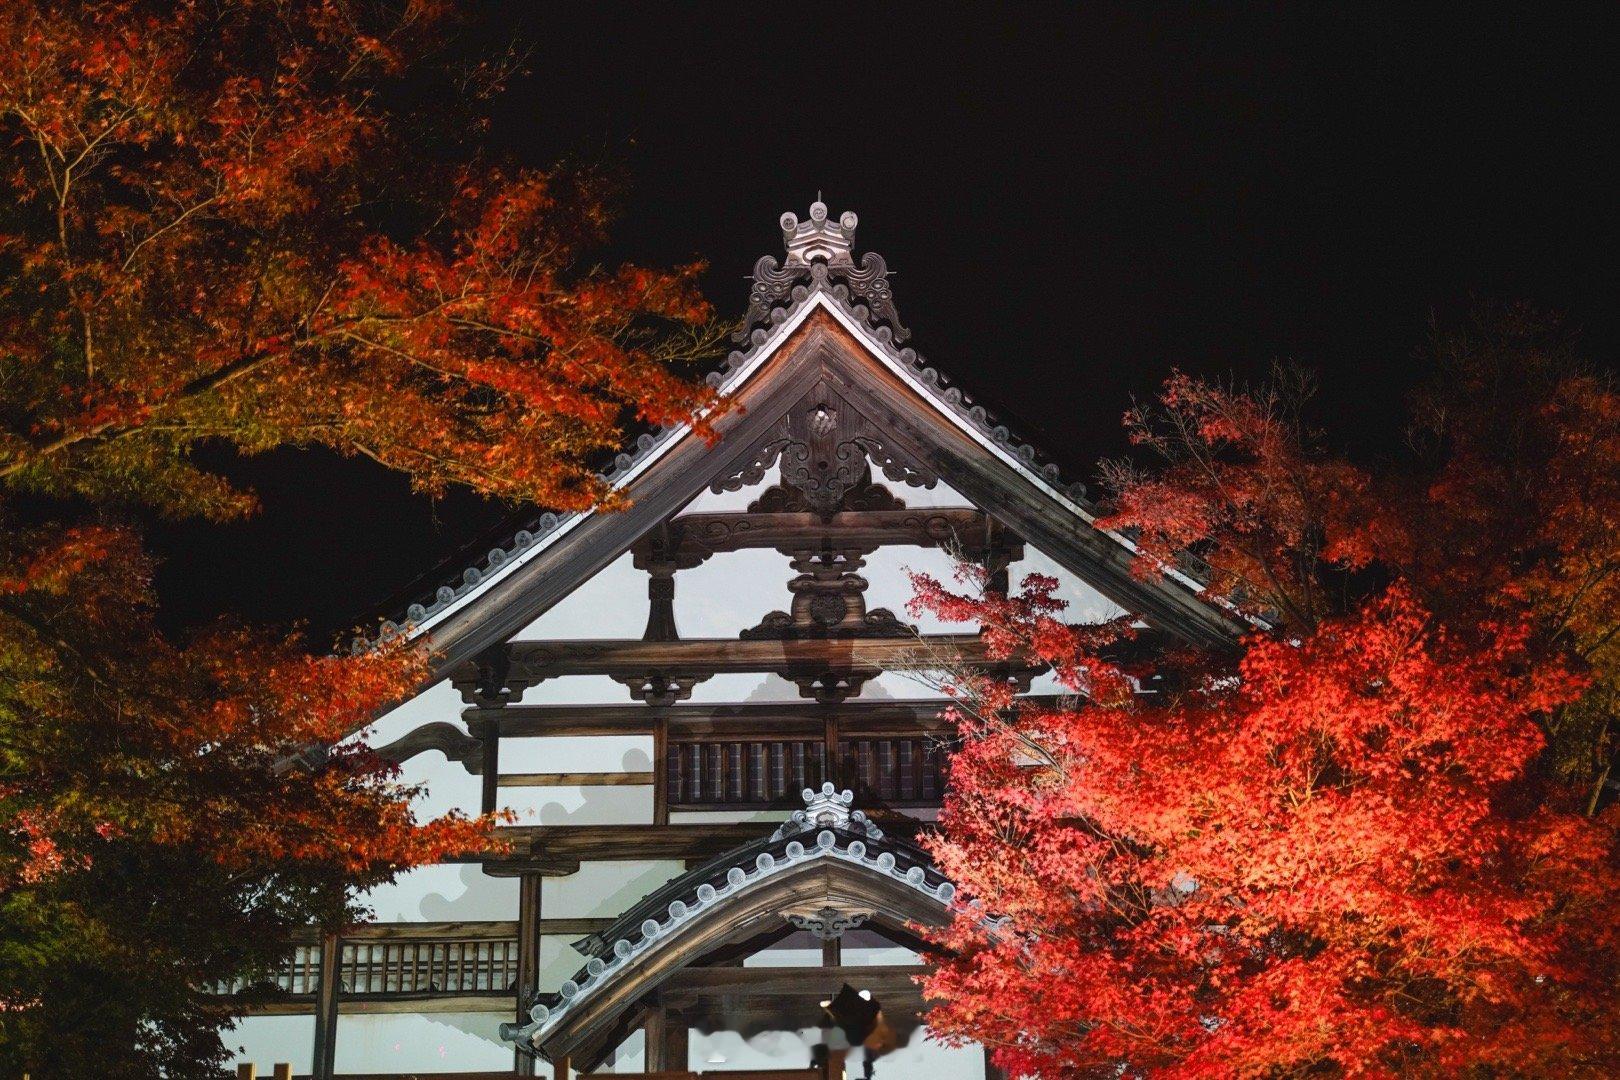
<point>818,323</point>
<point>826,869</point>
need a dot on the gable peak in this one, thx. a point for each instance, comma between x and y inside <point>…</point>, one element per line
<point>819,239</point>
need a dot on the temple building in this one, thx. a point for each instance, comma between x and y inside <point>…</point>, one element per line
<point>713,721</point>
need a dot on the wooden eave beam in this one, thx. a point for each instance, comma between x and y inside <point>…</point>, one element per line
<point>560,849</point>
<point>755,997</point>
<point>856,719</point>
<point>532,662</point>
<point>694,537</point>
<point>692,985</point>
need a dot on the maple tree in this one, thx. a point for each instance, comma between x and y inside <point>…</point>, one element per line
<point>257,224</point>
<point>1366,842</point>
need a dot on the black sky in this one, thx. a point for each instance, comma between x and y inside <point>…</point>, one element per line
<point>1073,202</point>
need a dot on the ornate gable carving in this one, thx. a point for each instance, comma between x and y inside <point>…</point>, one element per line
<point>826,448</point>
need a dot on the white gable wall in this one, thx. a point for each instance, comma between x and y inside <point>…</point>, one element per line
<point>726,594</point>
<point>720,598</point>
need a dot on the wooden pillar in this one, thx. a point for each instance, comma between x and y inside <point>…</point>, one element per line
<point>562,1068</point>
<point>832,952</point>
<point>675,1034</point>
<point>326,1008</point>
<point>666,1039</point>
<point>490,732</point>
<point>282,1071</point>
<point>245,1071</point>
<point>528,960</point>
<point>834,1067</point>
<point>831,749</point>
<point>652,1038</point>
<point>660,770</point>
<point>991,1070</point>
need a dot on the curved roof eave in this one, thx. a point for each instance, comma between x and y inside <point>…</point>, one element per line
<point>686,917</point>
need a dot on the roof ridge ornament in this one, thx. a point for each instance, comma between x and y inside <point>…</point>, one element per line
<point>828,808</point>
<point>820,258</point>
<point>819,239</point>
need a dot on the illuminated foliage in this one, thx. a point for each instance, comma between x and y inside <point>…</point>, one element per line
<point>1340,850</point>
<point>256,224</point>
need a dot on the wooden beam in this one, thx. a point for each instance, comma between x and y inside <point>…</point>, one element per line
<point>743,997</point>
<point>825,668</point>
<point>389,1004</point>
<point>416,931</point>
<point>706,983</point>
<point>697,536</point>
<point>559,849</point>
<point>628,656</point>
<point>504,1074</point>
<point>576,779</point>
<point>675,1041</point>
<point>490,736</point>
<point>858,718</point>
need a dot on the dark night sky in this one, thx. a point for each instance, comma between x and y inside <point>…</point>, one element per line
<point>1072,204</point>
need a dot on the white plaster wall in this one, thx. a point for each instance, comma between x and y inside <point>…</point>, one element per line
<point>612,604</point>
<point>727,502</point>
<point>265,1041</point>
<point>725,1051</point>
<point>583,753</point>
<point>578,805</point>
<point>628,1057</point>
<point>731,592</point>
<point>446,785</point>
<point>598,804</point>
<point>447,892</point>
<point>603,890</point>
<point>777,958</point>
<point>421,1042</point>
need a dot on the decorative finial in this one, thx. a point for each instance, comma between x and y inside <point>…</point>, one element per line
<point>819,238</point>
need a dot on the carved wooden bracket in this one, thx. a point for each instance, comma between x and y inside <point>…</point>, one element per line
<point>489,682</point>
<point>448,739</point>
<point>662,687</point>
<point>829,600</point>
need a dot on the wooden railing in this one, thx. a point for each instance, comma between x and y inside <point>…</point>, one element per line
<point>899,772</point>
<point>710,773</point>
<point>299,975</point>
<point>759,772</point>
<point>381,962</point>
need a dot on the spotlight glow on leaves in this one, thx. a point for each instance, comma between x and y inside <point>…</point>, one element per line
<point>1345,850</point>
